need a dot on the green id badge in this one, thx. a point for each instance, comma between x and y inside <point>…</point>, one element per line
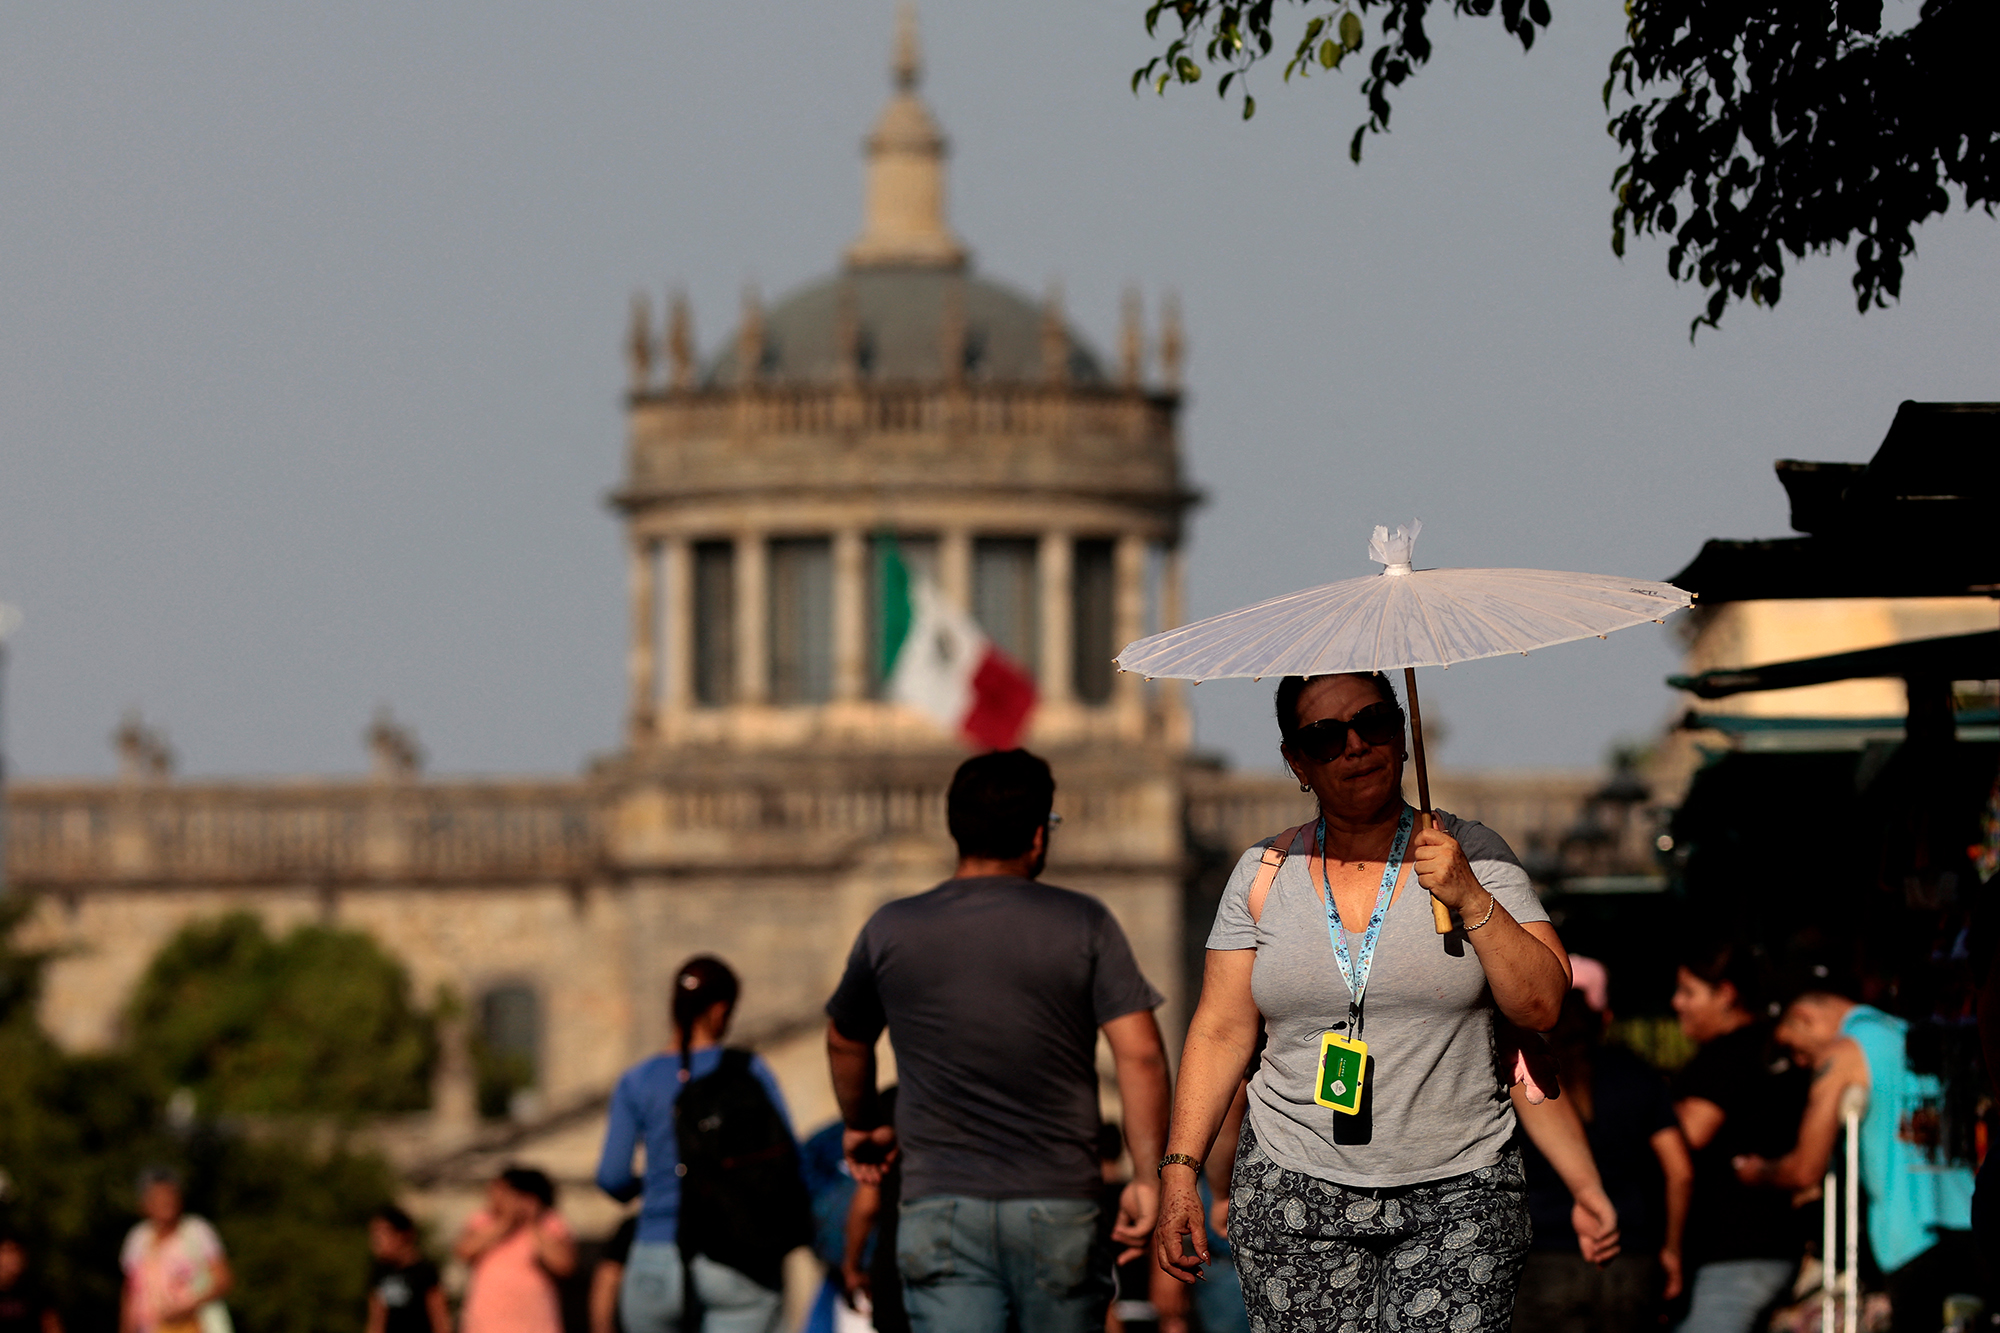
<point>1342,1064</point>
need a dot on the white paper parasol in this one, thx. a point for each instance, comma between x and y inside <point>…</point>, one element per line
<point>1403,617</point>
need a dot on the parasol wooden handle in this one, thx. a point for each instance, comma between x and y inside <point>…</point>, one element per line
<point>1440,915</point>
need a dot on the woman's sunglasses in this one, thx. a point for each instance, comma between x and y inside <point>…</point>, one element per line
<point>1326,739</point>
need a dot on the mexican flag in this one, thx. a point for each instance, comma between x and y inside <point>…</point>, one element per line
<point>937,660</point>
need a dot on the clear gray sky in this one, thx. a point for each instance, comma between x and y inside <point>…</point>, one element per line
<point>310,370</point>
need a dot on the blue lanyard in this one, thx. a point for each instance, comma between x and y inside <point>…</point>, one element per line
<point>1355,972</point>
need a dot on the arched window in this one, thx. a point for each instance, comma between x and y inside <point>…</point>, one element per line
<point>1092,608</point>
<point>506,1050</point>
<point>714,623</point>
<point>801,621</point>
<point>1006,599</point>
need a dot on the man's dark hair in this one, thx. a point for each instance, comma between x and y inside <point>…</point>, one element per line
<point>1809,977</point>
<point>1291,687</point>
<point>997,801</point>
<point>535,1184</point>
<point>398,1221</point>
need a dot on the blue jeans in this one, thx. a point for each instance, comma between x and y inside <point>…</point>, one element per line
<point>1726,1296</point>
<point>968,1265</point>
<point>650,1298</point>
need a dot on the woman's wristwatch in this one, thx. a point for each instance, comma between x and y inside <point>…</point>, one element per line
<point>1179,1159</point>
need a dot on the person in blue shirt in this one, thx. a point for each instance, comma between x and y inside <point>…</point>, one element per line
<point>651,1297</point>
<point>1919,1204</point>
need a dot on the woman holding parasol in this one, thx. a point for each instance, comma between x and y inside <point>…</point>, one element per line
<point>1376,1182</point>
<point>1375,1163</point>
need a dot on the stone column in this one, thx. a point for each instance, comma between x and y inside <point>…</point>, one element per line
<point>643,661</point>
<point>1055,685</point>
<point>1173,611</point>
<point>955,567</point>
<point>850,615</point>
<point>1173,589</point>
<point>753,674</point>
<point>677,573</point>
<point>1128,611</point>
<point>454,1087</point>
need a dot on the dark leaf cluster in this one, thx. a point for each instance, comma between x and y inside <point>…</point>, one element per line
<point>1233,35</point>
<point>1789,129</point>
<point>75,1131</point>
<point>1753,133</point>
<point>320,1022</point>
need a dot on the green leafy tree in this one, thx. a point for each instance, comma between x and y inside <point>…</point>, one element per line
<point>76,1130</point>
<point>320,1022</point>
<point>1751,133</point>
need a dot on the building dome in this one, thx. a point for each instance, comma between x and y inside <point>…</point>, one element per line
<point>905,306</point>
<point>898,323</point>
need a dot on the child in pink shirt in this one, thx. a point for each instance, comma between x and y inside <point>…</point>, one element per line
<point>518,1245</point>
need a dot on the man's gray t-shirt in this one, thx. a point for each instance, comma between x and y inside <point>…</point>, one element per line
<point>993,990</point>
<point>1439,1103</point>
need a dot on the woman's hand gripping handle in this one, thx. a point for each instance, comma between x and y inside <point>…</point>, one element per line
<point>1440,915</point>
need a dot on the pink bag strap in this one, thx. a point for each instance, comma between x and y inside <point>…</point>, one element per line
<point>1267,870</point>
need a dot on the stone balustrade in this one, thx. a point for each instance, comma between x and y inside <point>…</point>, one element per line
<point>73,836</point>
<point>986,409</point>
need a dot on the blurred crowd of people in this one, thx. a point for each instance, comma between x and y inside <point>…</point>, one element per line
<point>984,1192</point>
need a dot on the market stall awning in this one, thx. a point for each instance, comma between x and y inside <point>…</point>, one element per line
<point>1954,657</point>
<point>1917,520</point>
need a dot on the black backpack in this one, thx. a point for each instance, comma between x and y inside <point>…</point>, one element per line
<point>743,1200</point>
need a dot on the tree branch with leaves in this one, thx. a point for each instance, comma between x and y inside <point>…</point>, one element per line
<point>1752,135</point>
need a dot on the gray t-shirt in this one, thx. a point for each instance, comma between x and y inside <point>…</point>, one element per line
<point>1437,1098</point>
<point>993,990</point>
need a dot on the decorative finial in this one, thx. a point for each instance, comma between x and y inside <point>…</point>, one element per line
<point>1171,348</point>
<point>639,343</point>
<point>908,67</point>
<point>680,342</point>
<point>903,224</point>
<point>1055,338</point>
<point>750,338</point>
<point>393,747</point>
<point>143,752</point>
<point>1131,342</point>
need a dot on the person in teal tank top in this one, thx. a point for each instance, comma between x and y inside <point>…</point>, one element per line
<point>1919,1203</point>
<point>1911,1194</point>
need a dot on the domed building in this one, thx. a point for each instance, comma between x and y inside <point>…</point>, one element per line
<point>902,398</point>
<point>768,794</point>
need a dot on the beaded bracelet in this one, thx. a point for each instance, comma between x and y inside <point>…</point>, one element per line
<point>1491,903</point>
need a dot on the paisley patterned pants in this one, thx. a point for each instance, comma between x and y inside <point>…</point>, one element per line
<point>1316,1257</point>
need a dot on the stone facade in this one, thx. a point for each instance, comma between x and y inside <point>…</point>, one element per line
<point>768,797</point>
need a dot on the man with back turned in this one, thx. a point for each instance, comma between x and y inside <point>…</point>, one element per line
<point>993,988</point>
